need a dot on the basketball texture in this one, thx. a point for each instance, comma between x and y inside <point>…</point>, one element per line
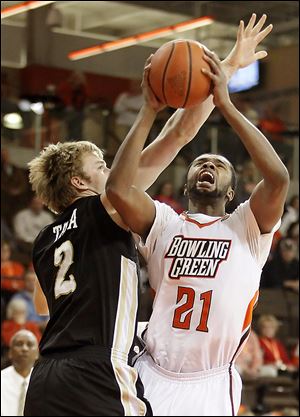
<point>175,76</point>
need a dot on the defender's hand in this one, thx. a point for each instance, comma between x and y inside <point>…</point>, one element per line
<point>150,98</point>
<point>248,38</point>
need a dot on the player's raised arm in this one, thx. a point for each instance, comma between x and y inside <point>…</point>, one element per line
<point>184,124</point>
<point>135,207</point>
<point>268,198</point>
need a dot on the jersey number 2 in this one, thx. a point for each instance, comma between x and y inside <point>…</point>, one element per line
<point>180,322</point>
<point>63,257</point>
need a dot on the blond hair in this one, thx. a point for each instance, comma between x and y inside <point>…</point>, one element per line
<point>50,173</point>
<point>267,318</point>
<point>14,305</point>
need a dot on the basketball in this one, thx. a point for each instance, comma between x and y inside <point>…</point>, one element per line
<point>175,75</point>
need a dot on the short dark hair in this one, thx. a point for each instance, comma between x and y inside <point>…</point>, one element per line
<point>233,177</point>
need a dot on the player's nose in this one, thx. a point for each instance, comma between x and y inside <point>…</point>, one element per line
<point>209,165</point>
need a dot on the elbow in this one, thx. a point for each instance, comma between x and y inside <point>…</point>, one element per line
<point>284,177</point>
<point>281,181</point>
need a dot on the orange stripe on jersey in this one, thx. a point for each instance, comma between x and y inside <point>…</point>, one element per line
<point>248,316</point>
<point>188,219</point>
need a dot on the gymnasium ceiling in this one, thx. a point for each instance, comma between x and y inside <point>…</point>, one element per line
<point>80,24</point>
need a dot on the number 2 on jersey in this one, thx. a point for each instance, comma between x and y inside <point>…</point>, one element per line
<point>184,323</point>
<point>63,257</point>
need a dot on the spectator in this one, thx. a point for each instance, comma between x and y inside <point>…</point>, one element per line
<point>74,94</point>
<point>126,108</point>
<point>283,270</point>
<point>27,295</point>
<point>7,234</point>
<point>271,123</point>
<point>250,359</point>
<point>29,222</point>
<point>23,352</point>
<point>165,194</point>
<point>14,187</point>
<point>295,355</point>
<point>16,314</point>
<point>275,356</point>
<point>12,272</point>
<point>293,233</point>
<point>291,214</point>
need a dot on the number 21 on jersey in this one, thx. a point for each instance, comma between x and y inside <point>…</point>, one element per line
<point>184,322</point>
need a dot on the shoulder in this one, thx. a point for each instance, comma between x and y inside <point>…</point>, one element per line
<point>7,371</point>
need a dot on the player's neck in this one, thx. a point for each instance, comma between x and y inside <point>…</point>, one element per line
<point>214,209</point>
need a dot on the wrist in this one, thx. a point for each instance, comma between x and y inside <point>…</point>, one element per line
<point>225,106</point>
<point>229,67</point>
<point>147,110</point>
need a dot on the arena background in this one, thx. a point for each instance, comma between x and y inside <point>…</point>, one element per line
<point>37,107</point>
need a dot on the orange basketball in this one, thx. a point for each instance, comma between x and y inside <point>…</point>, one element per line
<point>175,76</point>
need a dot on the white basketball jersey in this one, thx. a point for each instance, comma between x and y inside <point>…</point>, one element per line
<point>206,273</point>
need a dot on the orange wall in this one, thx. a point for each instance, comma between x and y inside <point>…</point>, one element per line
<point>35,78</point>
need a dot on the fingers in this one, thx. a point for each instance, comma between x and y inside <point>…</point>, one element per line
<point>209,73</point>
<point>148,61</point>
<point>213,60</point>
<point>264,33</point>
<point>260,24</point>
<point>250,25</point>
<point>241,30</point>
<point>260,55</point>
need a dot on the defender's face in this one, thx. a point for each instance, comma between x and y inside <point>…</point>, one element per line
<point>95,168</point>
<point>209,175</point>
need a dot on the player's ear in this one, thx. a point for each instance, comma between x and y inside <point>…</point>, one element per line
<point>78,183</point>
<point>230,194</point>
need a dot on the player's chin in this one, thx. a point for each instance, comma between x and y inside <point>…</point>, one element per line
<point>205,187</point>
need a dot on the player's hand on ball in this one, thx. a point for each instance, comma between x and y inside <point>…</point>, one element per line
<point>149,96</point>
<point>218,77</point>
<point>243,52</point>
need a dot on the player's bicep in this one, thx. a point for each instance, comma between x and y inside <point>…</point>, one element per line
<point>267,205</point>
<point>40,301</point>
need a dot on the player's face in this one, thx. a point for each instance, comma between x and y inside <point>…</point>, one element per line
<point>209,176</point>
<point>95,168</point>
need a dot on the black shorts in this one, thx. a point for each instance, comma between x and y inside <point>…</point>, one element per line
<point>85,383</point>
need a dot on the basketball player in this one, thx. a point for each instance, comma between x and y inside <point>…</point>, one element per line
<point>87,267</point>
<point>204,265</point>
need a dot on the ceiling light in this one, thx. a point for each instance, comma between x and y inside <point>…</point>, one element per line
<point>24,105</point>
<point>13,121</point>
<point>23,7</point>
<point>139,38</point>
<point>37,108</point>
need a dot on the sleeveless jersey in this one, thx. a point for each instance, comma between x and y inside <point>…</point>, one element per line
<point>87,268</point>
<point>205,272</point>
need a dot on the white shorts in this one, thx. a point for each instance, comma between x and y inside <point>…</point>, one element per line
<point>216,392</point>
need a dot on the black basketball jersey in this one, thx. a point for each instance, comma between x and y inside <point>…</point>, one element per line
<point>87,267</point>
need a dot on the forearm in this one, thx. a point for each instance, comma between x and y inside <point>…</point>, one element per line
<point>261,151</point>
<point>125,166</point>
<point>179,130</point>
